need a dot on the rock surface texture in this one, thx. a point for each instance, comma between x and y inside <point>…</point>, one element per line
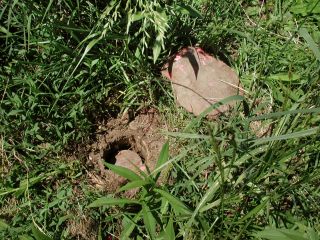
<point>200,80</point>
<point>129,159</point>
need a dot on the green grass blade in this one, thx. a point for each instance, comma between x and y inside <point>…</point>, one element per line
<point>169,230</point>
<point>187,135</point>
<point>176,158</point>
<point>207,197</point>
<point>280,234</point>
<point>105,201</point>
<point>6,32</point>
<point>130,225</point>
<point>156,50</point>
<point>281,114</point>
<point>38,233</point>
<point>47,10</point>
<point>302,133</point>
<point>124,172</point>
<point>3,225</point>
<point>188,9</point>
<point>134,184</point>
<point>210,205</point>
<point>149,220</point>
<point>163,158</point>
<point>211,108</point>
<point>311,43</point>
<point>255,211</point>
<point>87,49</point>
<point>174,202</point>
<point>29,31</point>
<point>164,155</point>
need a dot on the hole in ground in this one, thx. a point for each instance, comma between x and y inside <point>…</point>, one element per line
<point>110,153</point>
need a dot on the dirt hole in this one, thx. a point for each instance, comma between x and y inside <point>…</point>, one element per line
<point>111,151</point>
<point>134,145</point>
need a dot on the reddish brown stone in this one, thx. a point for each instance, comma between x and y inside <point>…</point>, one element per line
<point>200,80</point>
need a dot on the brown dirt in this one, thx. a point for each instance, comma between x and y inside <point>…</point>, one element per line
<point>82,228</point>
<point>139,135</point>
<point>262,128</point>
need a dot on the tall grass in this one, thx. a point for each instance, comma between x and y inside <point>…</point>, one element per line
<point>68,64</point>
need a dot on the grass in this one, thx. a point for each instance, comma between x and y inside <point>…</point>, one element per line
<point>67,65</point>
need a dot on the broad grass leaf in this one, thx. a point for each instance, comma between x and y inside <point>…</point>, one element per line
<point>285,77</point>
<point>299,9</point>
<point>163,158</point>
<point>313,6</point>
<point>27,183</point>
<point>5,31</point>
<point>210,205</point>
<point>6,191</point>
<point>196,136</point>
<point>149,220</point>
<point>25,237</point>
<point>105,201</point>
<point>178,157</point>
<point>306,7</point>
<point>280,114</point>
<point>47,10</point>
<point>280,234</point>
<point>169,230</point>
<point>124,172</point>
<point>188,10</point>
<point>311,43</point>
<point>174,202</point>
<point>87,49</point>
<point>129,225</point>
<point>164,155</point>
<point>137,16</point>
<point>207,197</point>
<point>156,50</point>
<point>134,184</point>
<point>38,233</point>
<point>312,234</point>
<point>299,134</point>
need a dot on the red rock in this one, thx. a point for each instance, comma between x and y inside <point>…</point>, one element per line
<point>129,159</point>
<point>200,80</point>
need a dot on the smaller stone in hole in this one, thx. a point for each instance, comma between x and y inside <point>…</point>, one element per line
<point>129,159</point>
<point>109,155</point>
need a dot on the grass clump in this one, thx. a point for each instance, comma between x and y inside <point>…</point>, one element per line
<point>68,64</point>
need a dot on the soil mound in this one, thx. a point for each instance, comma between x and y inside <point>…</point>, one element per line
<point>134,144</point>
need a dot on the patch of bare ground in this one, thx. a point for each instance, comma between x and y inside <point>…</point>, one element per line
<point>82,227</point>
<point>133,142</point>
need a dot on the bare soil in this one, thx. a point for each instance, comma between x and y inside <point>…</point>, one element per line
<point>120,138</point>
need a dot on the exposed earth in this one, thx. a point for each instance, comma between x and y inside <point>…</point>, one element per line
<point>132,143</point>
